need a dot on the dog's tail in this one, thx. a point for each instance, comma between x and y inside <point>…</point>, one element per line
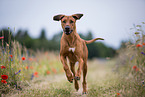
<point>90,41</point>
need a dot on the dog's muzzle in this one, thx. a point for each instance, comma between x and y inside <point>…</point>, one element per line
<point>67,30</point>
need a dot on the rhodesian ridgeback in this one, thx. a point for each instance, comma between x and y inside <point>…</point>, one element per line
<point>74,48</point>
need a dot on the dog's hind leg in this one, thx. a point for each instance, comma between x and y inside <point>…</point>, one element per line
<point>84,83</point>
<point>72,65</point>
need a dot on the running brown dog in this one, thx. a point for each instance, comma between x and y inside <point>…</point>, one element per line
<point>74,48</point>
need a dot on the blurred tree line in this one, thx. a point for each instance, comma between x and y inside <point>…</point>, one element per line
<point>96,49</point>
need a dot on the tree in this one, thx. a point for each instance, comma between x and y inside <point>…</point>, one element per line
<point>42,35</point>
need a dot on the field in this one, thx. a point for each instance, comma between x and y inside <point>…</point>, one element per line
<point>27,73</point>
<point>103,80</point>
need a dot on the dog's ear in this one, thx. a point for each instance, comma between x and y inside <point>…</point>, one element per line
<point>77,16</point>
<point>58,17</point>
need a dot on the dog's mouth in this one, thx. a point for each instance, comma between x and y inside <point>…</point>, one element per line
<point>67,32</point>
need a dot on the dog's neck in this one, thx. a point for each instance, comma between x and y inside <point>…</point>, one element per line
<point>70,39</point>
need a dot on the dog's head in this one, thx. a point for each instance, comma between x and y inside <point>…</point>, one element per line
<point>68,22</point>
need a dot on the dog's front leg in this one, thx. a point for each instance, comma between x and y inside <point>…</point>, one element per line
<point>78,74</point>
<point>66,69</point>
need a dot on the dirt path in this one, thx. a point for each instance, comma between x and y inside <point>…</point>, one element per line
<point>58,86</point>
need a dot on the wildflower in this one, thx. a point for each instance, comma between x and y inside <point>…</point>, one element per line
<point>138,45</point>
<point>131,57</point>
<point>118,94</point>
<point>48,72</point>
<point>11,56</point>
<point>32,76</point>
<point>27,67</point>
<point>23,58</point>
<point>134,67</point>
<point>18,72</point>
<point>2,37</point>
<point>3,67</point>
<point>143,53</point>
<point>143,43</point>
<point>4,77</point>
<point>4,81</point>
<point>36,74</point>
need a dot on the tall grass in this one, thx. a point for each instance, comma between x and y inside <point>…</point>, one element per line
<point>137,54</point>
<point>132,58</point>
<point>21,65</point>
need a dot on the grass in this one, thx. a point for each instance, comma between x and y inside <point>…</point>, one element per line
<point>102,82</point>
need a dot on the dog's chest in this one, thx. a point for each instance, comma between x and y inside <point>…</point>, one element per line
<point>72,49</point>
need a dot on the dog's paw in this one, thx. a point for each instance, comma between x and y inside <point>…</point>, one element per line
<point>84,93</point>
<point>70,78</point>
<point>77,78</point>
<point>71,81</point>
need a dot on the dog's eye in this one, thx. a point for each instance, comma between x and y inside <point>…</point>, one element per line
<point>71,21</point>
<point>64,21</point>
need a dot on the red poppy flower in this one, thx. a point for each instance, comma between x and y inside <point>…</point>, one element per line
<point>4,77</point>
<point>4,81</point>
<point>143,43</point>
<point>27,67</point>
<point>138,45</point>
<point>35,73</point>
<point>48,72</point>
<point>118,94</point>
<point>134,67</point>
<point>3,67</point>
<point>2,37</point>
<point>11,56</point>
<point>23,58</point>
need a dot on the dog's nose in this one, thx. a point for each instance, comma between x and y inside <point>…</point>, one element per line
<point>67,28</point>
